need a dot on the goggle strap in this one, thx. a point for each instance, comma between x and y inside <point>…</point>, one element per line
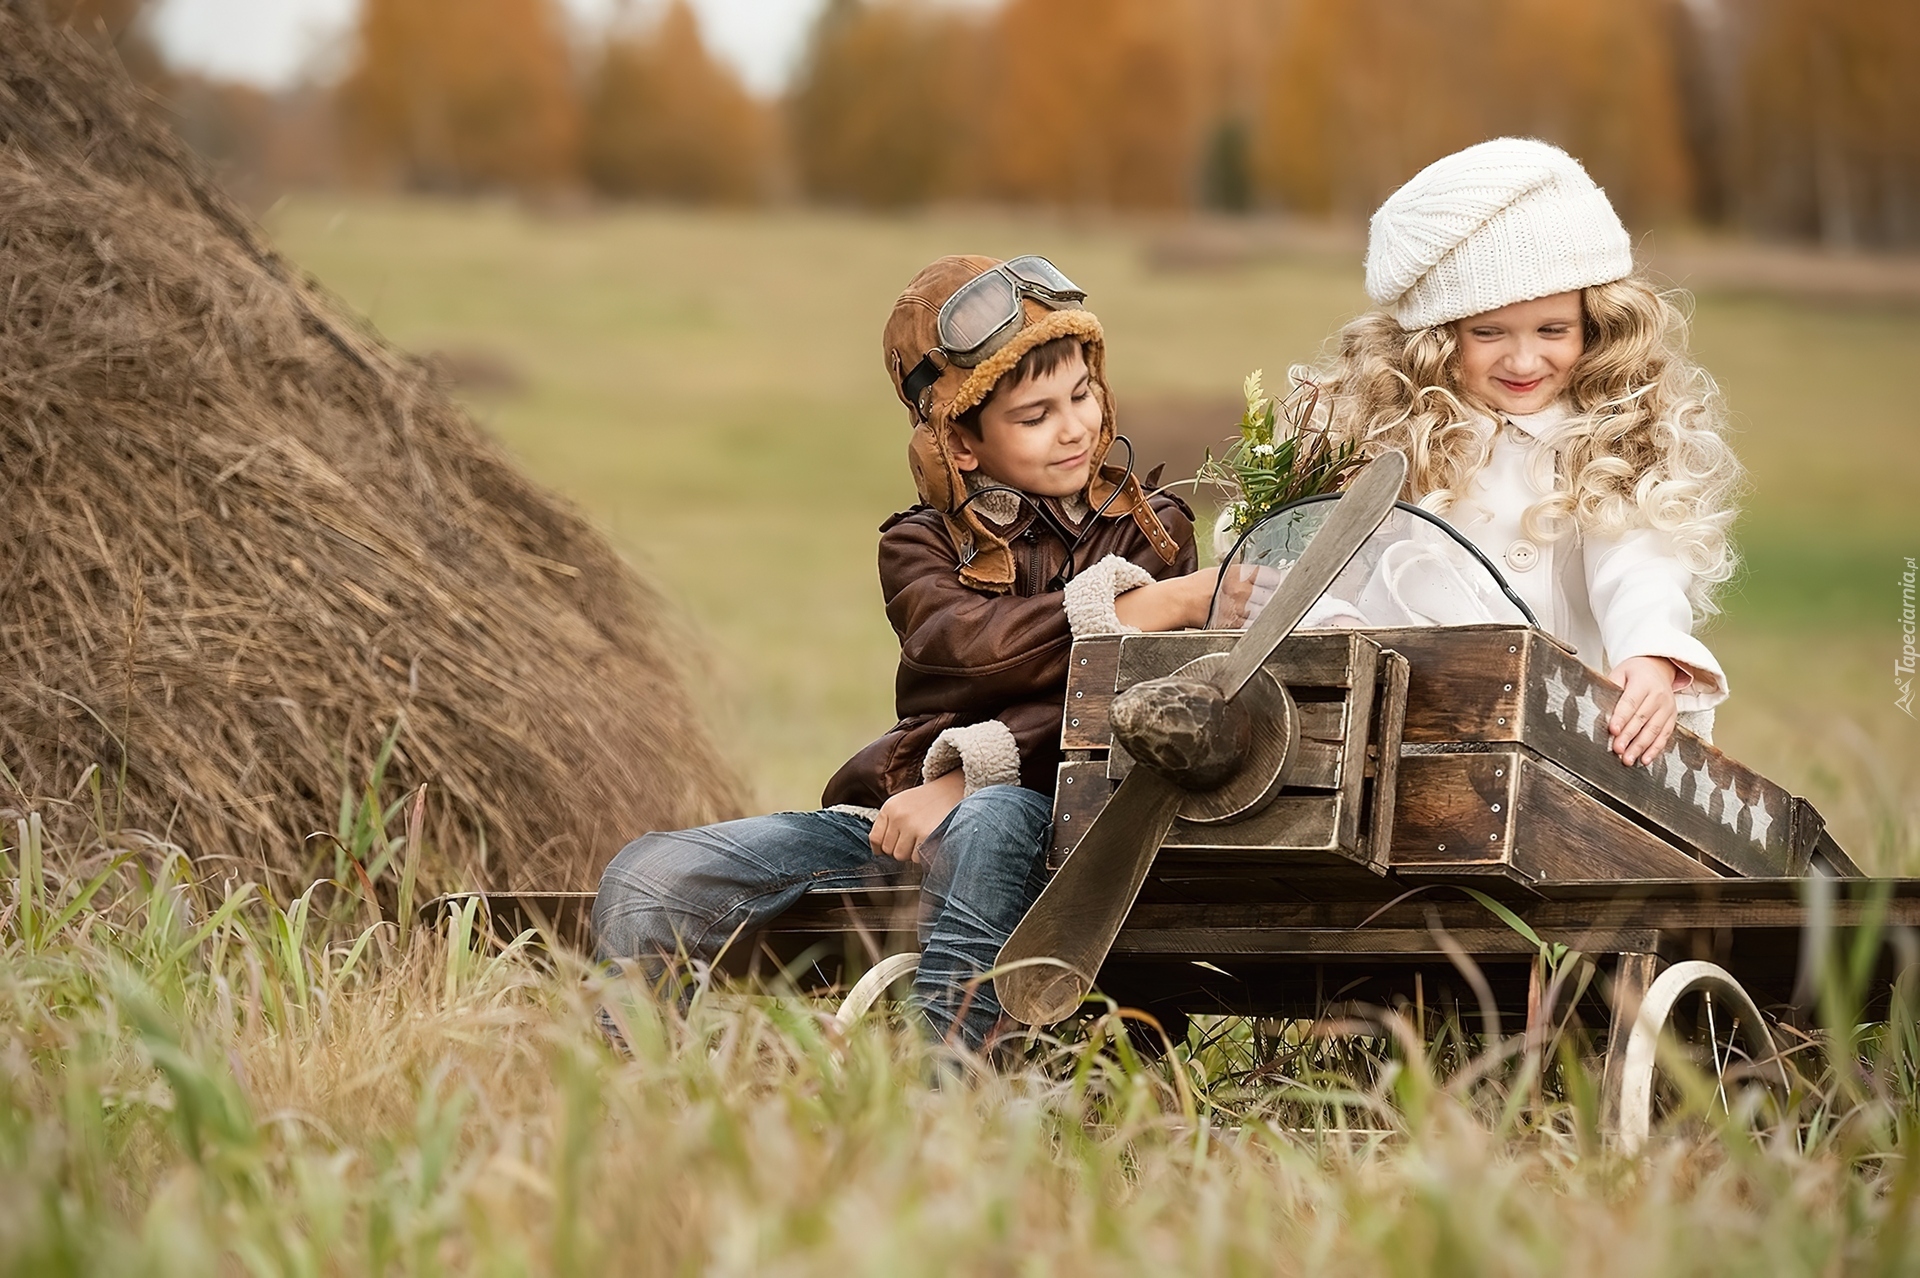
<point>915,383</point>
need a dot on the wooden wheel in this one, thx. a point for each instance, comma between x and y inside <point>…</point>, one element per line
<point>1694,1023</point>
<point>878,980</point>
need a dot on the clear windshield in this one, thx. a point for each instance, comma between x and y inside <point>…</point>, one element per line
<point>1411,572</point>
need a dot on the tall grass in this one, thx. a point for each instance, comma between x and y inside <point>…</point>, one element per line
<point>196,1077</point>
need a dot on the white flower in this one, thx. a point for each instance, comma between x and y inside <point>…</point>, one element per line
<point>1263,450</point>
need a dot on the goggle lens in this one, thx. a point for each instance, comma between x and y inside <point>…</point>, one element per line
<point>1042,274</point>
<point>974,314</point>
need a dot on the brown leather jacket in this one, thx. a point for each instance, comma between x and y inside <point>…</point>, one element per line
<point>967,655</point>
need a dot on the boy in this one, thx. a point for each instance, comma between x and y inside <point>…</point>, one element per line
<point>1023,541</point>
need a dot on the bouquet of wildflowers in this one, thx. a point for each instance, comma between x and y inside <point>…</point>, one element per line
<point>1281,456</point>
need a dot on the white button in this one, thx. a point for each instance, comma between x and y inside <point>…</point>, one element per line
<point>1522,555</point>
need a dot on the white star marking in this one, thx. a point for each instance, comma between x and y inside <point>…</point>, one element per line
<point>1703,789</point>
<point>1589,715</point>
<point>1558,695</point>
<point>1758,820</point>
<point>1730,807</point>
<point>1676,772</point>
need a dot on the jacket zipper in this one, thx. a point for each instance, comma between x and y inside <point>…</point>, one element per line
<point>1033,562</point>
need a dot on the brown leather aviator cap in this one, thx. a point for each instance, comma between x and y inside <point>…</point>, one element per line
<point>912,332</point>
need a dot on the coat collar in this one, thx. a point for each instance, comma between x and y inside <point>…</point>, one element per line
<point>1009,516</point>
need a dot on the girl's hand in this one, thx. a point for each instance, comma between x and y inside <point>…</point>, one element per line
<point>910,816</point>
<point>1246,591</point>
<point>1642,722</point>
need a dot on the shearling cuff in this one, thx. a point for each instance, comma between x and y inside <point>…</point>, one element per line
<point>985,752</point>
<point>1090,596</point>
<point>1699,723</point>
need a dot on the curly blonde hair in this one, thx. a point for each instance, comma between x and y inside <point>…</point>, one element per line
<point>1647,446</point>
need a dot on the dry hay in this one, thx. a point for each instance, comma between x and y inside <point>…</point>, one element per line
<point>241,538</point>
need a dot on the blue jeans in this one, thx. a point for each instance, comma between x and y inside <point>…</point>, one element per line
<point>687,893</point>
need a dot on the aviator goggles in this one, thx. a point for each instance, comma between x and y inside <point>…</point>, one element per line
<point>985,312</point>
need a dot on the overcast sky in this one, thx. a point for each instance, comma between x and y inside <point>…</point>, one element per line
<point>272,42</point>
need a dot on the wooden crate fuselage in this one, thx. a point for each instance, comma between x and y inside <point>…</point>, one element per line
<point>1493,764</point>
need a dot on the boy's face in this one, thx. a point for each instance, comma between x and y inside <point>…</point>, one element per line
<point>1518,359</point>
<point>1037,435</point>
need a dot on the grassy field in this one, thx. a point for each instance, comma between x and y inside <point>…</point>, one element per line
<point>709,387</point>
<point>195,1083</point>
<point>195,1079</point>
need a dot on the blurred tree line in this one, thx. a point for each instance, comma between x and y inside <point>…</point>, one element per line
<point>1795,118</point>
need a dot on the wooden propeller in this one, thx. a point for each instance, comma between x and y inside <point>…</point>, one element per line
<point>1210,742</point>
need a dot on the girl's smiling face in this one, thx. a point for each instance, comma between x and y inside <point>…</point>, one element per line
<point>1517,359</point>
<point>1037,435</point>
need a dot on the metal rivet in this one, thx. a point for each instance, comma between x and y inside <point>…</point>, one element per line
<point>1503,720</point>
<point>1069,780</point>
<point>1506,687</point>
<point>1066,816</point>
<point>1074,722</point>
<point>1083,661</point>
<point>1512,649</point>
<point>1443,847</point>
<point>1496,807</point>
<point>1078,695</point>
<point>1493,838</point>
<point>1499,772</point>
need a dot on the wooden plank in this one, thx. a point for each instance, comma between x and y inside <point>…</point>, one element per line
<point>1385,943</point>
<point>1474,812</point>
<point>1466,681</point>
<point>1314,658</point>
<point>1091,670</point>
<point>1081,791</point>
<point>1324,721</point>
<point>1453,810</point>
<point>1353,755</point>
<point>1828,860</point>
<point>1809,829</point>
<point>1385,751</point>
<point>1708,801</point>
<point>1310,942</point>
<point>1302,822</point>
<point>1563,833</point>
<point>1633,975</point>
<point>1564,912</point>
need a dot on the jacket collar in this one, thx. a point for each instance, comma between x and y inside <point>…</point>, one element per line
<point>1009,515</point>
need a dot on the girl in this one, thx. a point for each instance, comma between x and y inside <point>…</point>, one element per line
<point>1542,393</point>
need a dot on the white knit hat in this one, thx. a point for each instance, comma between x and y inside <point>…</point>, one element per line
<point>1502,222</point>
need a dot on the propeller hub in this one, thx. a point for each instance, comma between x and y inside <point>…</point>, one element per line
<point>1183,728</point>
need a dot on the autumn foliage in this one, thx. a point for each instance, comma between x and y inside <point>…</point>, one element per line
<point>1789,117</point>
<point>1786,116</point>
<point>459,94</point>
<point>664,119</point>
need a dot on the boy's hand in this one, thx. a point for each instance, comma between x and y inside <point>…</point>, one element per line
<point>1178,603</point>
<point>910,816</point>
<point>1642,722</point>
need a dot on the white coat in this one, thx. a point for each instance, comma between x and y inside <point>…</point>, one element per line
<point>1610,598</point>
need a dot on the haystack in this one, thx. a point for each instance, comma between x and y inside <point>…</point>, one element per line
<point>242,538</point>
